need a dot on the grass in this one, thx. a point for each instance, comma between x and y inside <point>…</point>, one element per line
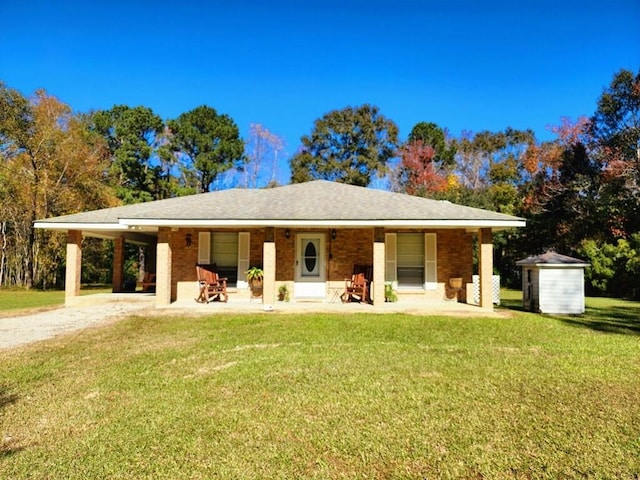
<point>325,396</point>
<point>601,313</point>
<point>12,299</point>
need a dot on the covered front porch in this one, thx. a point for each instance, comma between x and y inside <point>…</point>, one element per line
<point>277,250</point>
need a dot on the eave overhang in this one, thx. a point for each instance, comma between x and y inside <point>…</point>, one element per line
<point>555,265</point>
<point>152,225</point>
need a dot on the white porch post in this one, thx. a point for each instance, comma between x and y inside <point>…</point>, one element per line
<point>485,264</point>
<point>269,268</point>
<point>163,269</point>
<point>73,269</point>
<point>379,262</point>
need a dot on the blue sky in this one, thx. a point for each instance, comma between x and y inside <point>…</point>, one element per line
<point>462,64</point>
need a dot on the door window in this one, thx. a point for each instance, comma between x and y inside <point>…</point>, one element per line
<point>310,260</point>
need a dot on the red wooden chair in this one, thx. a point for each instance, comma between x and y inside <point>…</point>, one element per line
<point>356,288</point>
<point>148,283</point>
<point>212,287</point>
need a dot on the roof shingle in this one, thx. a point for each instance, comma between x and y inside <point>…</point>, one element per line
<point>317,200</point>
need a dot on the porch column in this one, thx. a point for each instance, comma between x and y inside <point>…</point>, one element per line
<point>163,269</point>
<point>378,272</point>
<point>485,267</point>
<point>118,265</point>
<point>73,266</point>
<point>269,268</point>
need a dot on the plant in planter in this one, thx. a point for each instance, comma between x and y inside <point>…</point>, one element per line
<point>283,293</point>
<point>389,293</point>
<point>254,278</point>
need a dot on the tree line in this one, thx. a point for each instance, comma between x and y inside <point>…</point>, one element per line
<point>579,192</point>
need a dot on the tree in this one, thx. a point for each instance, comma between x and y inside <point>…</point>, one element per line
<point>205,144</point>
<point>348,146</point>
<point>488,167</point>
<point>426,162</point>
<point>444,150</point>
<point>52,164</point>
<point>261,146</point>
<point>133,136</point>
<point>616,144</point>
<point>559,191</point>
<point>418,172</point>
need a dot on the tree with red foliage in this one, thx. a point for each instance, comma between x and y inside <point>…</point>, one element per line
<point>420,174</point>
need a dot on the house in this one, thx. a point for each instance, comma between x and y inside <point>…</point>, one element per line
<point>553,283</point>
<point>308,236</point>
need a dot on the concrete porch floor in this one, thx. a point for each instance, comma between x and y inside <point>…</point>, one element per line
<point>240,303</point>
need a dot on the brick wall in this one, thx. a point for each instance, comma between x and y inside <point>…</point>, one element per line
<point>285,255</point>
<point>350,247</point>
<point>455,255</point>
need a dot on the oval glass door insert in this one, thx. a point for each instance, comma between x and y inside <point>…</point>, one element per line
<point>310,257</point>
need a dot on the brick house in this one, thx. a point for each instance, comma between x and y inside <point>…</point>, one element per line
<point>308,236</point>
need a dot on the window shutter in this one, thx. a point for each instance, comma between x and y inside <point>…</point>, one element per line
<point>430,261</point>
<point>243,258</point>
<point>204,247</point>
<point>391,274</point>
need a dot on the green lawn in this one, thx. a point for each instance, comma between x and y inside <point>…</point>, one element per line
<point>22,299</point>
<point>326,396</point>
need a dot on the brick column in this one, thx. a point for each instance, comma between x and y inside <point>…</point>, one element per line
<point>379,263</point>
<point>73,266</point>
<point>269,267</point>
<point>118,265</point>
<point>163,269</point>
<point>485,267</point>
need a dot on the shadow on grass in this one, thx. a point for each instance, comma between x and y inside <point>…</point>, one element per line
<point>512,304</point>
<point>6,447</point>
<point>615,319</point>
<point>6,398</point>
<point>621,319</point>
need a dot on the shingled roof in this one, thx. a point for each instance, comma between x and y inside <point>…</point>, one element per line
<point>313,203</point>
<point>551,258</point>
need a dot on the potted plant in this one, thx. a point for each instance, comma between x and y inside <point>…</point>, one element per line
<point>283,293</point>
<point>254,278</point>
<point>389,292</point>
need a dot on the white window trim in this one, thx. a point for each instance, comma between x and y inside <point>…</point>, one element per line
<point>430,259</point>
<point>244,255</point>
<point>390,257</point>
<point>204,248</point>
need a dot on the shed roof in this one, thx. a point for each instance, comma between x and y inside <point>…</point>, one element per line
<point>315,203</point>
<point>552,258</point>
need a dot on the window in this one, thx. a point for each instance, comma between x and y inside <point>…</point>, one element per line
<point>410,260</point>
<point>229,251</point>
<point>224,253</point>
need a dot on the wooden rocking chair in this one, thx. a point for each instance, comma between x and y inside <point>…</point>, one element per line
<point>356,289</point>
<point>212,287</point>
<point>148,283</point>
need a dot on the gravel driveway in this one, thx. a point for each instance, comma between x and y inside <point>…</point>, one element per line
<point>15,331</point>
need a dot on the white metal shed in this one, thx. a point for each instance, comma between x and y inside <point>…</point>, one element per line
<point>553,283</point>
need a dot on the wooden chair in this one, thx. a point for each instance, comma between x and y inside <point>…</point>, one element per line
<point>212,287</point>
<point>148,283</point>
<point>356,288</point>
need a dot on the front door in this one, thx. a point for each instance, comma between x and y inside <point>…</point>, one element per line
<point>310,267</point>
